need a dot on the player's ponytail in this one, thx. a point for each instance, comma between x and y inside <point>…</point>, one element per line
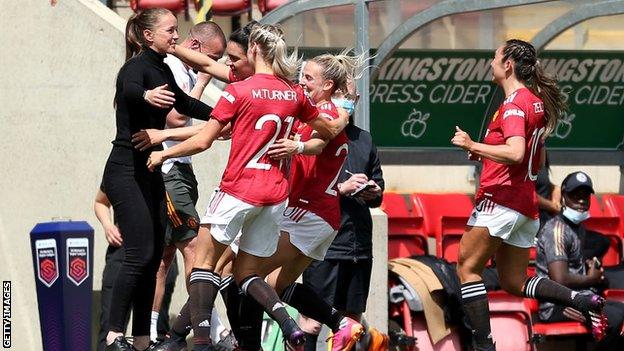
<point>528,70</point>
<point>274,51</point>
<point>545,86</point>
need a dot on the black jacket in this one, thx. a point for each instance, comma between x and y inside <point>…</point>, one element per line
<point>146,71</point>
<point>354,239</point>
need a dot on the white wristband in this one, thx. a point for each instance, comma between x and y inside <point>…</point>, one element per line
<point>300,147</point>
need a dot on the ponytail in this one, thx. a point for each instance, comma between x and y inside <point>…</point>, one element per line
<point>146,19</point>
<point>284,65</point>
<point>133,38</point>
<point>545,86</point>
<point>528,70</point>
<point>274,51</point>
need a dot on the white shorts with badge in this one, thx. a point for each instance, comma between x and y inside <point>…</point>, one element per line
<point>510,225</point>
<point>308,232</point>
<point>257,225</point>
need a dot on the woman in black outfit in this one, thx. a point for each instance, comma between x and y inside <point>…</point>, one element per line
<point>142,101</point>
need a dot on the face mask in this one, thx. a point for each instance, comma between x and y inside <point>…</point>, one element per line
<point>575,216</point>
<point>348,105</point>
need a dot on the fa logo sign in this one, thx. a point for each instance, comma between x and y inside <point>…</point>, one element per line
<point>539,107</point>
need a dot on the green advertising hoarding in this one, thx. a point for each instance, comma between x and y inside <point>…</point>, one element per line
<point>421,95</point>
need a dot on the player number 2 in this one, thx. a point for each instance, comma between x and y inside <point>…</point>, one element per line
<point>330,189</point>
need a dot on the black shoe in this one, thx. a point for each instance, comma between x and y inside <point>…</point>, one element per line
<point>120,344</point>
<point>595,318</point>
<point>170,344</point>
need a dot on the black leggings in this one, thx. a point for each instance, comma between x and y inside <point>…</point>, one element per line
<point>138,199</point>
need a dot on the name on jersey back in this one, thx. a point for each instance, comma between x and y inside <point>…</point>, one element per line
<point>267,94</point>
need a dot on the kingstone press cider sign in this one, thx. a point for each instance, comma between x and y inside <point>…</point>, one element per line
<point>419,97</point>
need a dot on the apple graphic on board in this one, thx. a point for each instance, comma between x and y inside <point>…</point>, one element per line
<point>564,125</point>
<point>415,125</point>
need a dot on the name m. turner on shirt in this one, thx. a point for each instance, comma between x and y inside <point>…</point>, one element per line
<point>266,94</point>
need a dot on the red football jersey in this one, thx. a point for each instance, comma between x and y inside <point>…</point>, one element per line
<point>513,186</point>
<point>313,178</point>
<point>262,109</point>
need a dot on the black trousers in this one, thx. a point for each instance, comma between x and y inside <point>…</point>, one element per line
<point>114,259</point>
<point>343,284</point>
<point>138,199</point>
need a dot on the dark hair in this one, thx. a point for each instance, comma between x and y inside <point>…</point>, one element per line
<point>145,19</point>
<point>241,35</point>
<point>528,70</point>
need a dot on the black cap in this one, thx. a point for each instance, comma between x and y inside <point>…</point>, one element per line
<point>575,180</point>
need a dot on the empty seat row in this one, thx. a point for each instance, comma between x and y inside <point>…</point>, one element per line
<point>414,218</point>
<point>439,216</point>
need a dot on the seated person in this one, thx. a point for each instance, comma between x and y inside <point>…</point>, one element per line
<point>560,256</point>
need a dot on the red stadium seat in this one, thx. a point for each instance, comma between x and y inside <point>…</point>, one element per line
<point>601,220</point>
<point>614,206</point>
<point>418,325</point>
<point>269,5</point>
<point>445,217</point>
<point>174,6</point>
<point>405,233</point>
<point>607,224</point>
<point>510,320</point>
<point>614,294</point>
<point>230,7</point>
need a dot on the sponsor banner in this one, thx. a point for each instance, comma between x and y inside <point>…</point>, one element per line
<point>47,261</point>
<point>77,260</point>
<point>421,95</point>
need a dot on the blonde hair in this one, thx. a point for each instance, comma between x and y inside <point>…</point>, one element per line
<point>274,51</point>
<point>340,68</point>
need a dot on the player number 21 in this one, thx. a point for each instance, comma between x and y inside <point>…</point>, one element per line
<point>253,163</point>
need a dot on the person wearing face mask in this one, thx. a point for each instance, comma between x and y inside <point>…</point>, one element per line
<point>343,277</point>
<point>562,257</point>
